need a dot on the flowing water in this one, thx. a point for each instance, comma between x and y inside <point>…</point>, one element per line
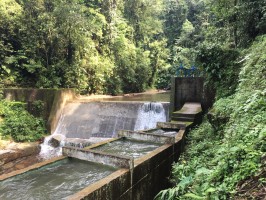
<point>148,116</point>
<point>54,181</point>
<point>103,120</point>
<point>48,151</point>
<point>162,132</point>
<point>128,147</point>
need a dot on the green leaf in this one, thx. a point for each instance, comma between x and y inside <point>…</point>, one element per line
<point>193,196</point>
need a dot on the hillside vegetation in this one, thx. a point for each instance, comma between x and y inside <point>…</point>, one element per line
<point>225,156</point>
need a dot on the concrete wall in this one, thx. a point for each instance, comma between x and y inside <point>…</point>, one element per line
<point>105,119</point>
<point>144,180</point>
<point>148,177</point>
<point>54,101</point>
<point>190,89</point>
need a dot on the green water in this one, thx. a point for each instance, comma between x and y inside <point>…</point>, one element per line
<point>127,147</point>
<point>54,181</point>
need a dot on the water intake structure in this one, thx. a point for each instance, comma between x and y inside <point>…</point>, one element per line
<point>111,150</point>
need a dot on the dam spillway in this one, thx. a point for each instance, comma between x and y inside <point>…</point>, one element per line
<point>136,177</point>
<point>105,119</point>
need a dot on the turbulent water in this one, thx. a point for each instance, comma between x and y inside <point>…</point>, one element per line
<point>48,151</point>
<point>55,181</point>
<point>148,116</point>
<point>127,147</point>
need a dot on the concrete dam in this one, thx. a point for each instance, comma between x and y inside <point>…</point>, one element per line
<point>104,119</point>
<point>133,162</point>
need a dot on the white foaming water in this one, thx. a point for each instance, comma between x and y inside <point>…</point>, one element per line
<point>148,116</point>
<point>48,151</point>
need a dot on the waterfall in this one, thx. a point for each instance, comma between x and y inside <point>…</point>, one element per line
<point>84,123</point>
<point>49,151</point>
<point>149,114</point>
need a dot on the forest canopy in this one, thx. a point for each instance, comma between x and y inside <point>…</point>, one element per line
<point>117,46</point>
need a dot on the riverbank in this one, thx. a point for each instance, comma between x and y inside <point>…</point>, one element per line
<point>15,156</point>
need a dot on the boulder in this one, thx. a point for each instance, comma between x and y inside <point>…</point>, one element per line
<point>56,140</point>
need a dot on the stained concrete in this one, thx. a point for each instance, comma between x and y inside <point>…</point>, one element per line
<point>190,89</point>
<point>54,101</point>
<point>105,119</point>
<point>99,157</point>
<point>142,136</point>
<point>190,112</point>
<point>185,89</point>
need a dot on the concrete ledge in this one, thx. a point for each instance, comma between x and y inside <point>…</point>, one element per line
<point>99,157</point>
<point>142,136</point>
<point>174,125</point>
<point>139,183</point>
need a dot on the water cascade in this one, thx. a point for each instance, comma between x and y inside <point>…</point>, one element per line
<point>105,119</point>
<point>148,115</point>
<point>91,122</point>
<point>48,150</point>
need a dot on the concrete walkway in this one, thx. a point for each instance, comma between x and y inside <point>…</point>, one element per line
<point>187,116</point>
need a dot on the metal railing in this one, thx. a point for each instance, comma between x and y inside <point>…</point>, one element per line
<point>185,72</point>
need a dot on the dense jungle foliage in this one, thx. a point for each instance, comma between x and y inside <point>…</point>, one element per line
<point>225,157</point>
<point>112,47</point>
<point>96,46</point>
<point>121,46</point>
<point>18,124</point>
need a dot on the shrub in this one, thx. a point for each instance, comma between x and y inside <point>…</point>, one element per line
<point>18,123</point>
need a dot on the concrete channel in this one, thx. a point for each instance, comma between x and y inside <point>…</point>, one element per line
<point>135,177</point>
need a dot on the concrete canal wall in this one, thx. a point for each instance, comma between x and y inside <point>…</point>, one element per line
<point>144,180</point>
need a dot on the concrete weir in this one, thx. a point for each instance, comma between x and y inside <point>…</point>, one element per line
<point>104,119</point>
<point>136,177</point>
<point>138,160</point>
